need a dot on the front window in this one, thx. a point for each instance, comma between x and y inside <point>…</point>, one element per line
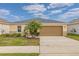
<point>19,28</point>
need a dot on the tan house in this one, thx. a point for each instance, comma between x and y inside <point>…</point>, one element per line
<point>49,27</point>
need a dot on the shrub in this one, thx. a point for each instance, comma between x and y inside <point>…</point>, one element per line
<point>16,34</point>
<point>4,35</point>
<point>37,34</point>
<point>11,35</point>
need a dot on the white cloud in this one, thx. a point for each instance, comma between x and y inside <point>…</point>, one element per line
<point>74,9</point>
<point>4,12</point>
<point>55,12</point>
<point>16,18</point>
<point>71,14</point>
<point>35,8</point>
<point>59,5</point>
<point>41,15</point>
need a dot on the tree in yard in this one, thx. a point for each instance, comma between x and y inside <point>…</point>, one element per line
<point>33,28</point>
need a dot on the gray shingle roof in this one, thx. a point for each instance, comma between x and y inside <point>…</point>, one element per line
<point>41,20</point>
<point>3,20</point>
<point>75,21</point>
<point>37,19</point>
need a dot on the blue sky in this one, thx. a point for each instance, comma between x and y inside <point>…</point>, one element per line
<point>53,11</point>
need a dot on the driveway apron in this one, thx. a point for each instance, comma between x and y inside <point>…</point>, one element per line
<point>58,45</point>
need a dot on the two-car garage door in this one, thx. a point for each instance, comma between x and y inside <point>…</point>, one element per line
<point>51,31</point>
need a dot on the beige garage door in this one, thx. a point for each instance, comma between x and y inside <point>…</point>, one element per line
<point>51,31</point>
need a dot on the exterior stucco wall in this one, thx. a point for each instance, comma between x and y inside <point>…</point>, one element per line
<point>53,24</point>
<point>73,27</point>
<point>4,29</point>
<point>64,30</point>
<point>23,26</point>
<point>13,28</point>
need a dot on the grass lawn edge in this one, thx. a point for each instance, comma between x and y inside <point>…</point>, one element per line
<point>73,36</point>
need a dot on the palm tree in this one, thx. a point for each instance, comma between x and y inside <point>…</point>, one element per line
<point>33,28</point>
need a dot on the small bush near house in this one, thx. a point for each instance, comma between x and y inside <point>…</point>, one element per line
<point>4,35</point>
<point>16,35</point>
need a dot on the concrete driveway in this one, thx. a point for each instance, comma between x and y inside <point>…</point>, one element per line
<point>58,45</point>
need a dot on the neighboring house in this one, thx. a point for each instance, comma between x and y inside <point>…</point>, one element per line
<point>49,27</point>
<point>73,26</point>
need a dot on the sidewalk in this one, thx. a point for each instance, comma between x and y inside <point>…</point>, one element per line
<point>19,49</point>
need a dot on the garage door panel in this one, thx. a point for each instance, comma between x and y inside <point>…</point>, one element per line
<point>51,31</point>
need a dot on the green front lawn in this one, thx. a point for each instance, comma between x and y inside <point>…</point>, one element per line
<point>19,54</point>
<point>18,41</point>
<point>73,36</point>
